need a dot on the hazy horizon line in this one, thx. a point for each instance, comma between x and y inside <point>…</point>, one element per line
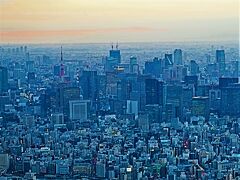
<point>120,42</point>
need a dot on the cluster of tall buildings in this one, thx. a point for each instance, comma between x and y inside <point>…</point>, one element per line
<point>171,118</point>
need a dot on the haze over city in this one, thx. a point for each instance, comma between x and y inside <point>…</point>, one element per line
<point>119,90</point>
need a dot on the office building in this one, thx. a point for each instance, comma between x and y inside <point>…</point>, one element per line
<point>230,100</point>
<point>115,54</point>
<point>101,169</point>
<point>4,162</point>
<point>78,110</point>
<point>132,108</point>
<point>220,59</point>
<point>64,95</point>
<point>174,98</point>
<point>154,67</point>
<point>200,106</point>
<point>178,59</point>
<point>143,122</point>
<point>3,79</point>
<point>154,91</point>
<point>168,60</point>
<point>89,85</point>
<point>56,70</point>
<point>226,81</point>
<point>57,118</point>
<point>220,56</point>
<point>30,66</point>
<point>113,60</point>
<point>194,68</point>
<point>134,67</point>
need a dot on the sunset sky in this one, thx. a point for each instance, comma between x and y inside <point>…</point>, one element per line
<point>76,21</point>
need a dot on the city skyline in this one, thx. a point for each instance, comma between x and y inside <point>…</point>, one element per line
<point>81,21</point>
<point>119,89</point>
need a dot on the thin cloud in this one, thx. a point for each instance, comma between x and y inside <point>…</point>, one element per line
<point>38,34</point>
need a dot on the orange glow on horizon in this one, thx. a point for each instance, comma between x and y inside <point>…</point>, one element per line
<point>125,20</point>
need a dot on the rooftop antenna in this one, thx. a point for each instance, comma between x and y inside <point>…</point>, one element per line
<point>61,55</point>
<point>61,65</point>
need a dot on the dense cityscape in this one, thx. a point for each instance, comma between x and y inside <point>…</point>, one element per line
<point>120,111</point>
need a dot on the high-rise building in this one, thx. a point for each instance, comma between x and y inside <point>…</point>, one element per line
<point>154,112</point>
<point>174,98</point>
<point>226,81</point>
<point>29,121</point>
<point>134,67</point>
<point>214,98</point>
<point>46,59</point>
<point>191,80</point>
<point>64,95</point>
<point>200,106</point>
<point>138,92</point>
<point>168,60</point>
<point>143,122</point>
<point>194,68</point>
<point>220,59</point>
<point>78,110</point>
<point>178,57</point>
<point>89,85</point>
<point>132,107</point>
<point>4,161</point>
<point>110,64</point>
<point>230,100</point>
<point>56,70</point>
<point>235,69</point>
<point>154,91</point>
<point>3,79</point>
<point>124,88</point>
<point>187,94</point>
<point>154,67</point>
<point>57,118</point>
<point>31,76</point>
<point>62,69</point>
<point>113,60</point>
<point>30,66</point>
<point>4,100</point>
<point>220,56</point>
<point>115,53</point>
<point>101,169</point>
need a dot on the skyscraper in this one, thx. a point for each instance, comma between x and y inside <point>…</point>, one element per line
<point>178,56</point>
<point>153,67</point>
<point>154,91</point>
<point>30,66</point>
<point>134,67</point>
<point>230,100</point>
<point>62,70</point>
<point>194,68</point>
<point>89,85</point>
<point>220,59</point>
<point>115,53</point>
<point>200,106</point>
<point>174,98</point>
<point>78,110</point>
<point>220,56</point>
<point>3,79</point>
<point>168,59</point>
<point>66,94</point>
<point>132,107</point>
<point>113,60</point>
